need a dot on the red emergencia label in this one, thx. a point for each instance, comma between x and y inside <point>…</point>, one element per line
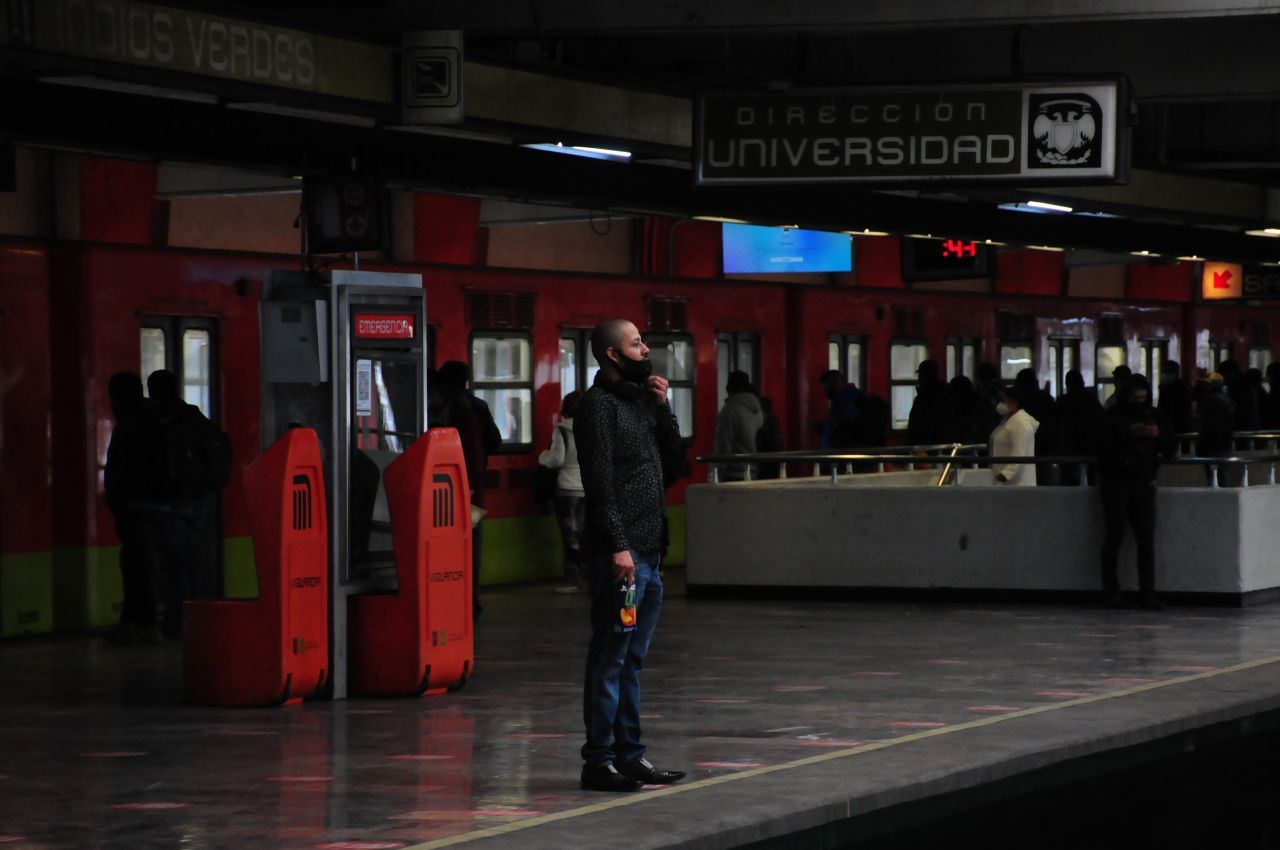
<point>384,326</point>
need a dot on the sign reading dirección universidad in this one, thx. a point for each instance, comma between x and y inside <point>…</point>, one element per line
<point>1031,134</point>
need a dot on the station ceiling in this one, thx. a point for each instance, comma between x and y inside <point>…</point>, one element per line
<point>1205,120</point>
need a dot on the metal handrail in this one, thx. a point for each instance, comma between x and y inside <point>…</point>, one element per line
<point>835,459</point>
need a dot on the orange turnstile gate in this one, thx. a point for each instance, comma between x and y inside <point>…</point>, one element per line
<point>273,649</point>
<point>419,639</point>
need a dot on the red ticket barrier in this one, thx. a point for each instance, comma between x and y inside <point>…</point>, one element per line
<point>273,649</point>
<point>419,639</point>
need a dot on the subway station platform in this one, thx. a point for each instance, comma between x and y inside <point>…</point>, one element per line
<point>799,721</point>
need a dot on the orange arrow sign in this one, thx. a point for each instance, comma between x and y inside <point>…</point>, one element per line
<point>1220,280</point>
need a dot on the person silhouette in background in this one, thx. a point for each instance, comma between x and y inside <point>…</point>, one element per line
<point>480,438</point>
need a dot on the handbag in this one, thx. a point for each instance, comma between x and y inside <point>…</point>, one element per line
<point>544,483</point>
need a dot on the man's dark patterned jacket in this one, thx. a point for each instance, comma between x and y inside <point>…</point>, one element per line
<point>623,438</point>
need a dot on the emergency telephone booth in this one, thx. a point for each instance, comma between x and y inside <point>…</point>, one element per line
<point>348,358</point>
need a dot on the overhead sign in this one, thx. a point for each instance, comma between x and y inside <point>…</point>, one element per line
<point>1224,281</point>
<point>384,326</point>
<point>431,77</point>
<point>196,42</point>
<point>1030,134</point>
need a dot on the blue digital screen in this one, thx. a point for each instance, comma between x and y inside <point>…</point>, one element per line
<point>749,248</point>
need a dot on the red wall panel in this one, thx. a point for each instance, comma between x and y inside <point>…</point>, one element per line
<point>1029,272</point>
<point>25,479</point>
<point>877,262</point>
<point>446,229</point>
<point>118,202</point>
<point>1161,283</point>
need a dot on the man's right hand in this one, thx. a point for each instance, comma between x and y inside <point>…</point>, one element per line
<point>623,566</point>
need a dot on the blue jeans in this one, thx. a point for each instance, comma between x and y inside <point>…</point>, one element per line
<point>611,692</point>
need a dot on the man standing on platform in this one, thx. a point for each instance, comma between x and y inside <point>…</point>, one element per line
<point>1134,439</point>
<point>625,429</point>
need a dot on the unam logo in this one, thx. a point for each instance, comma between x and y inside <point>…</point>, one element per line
<point>1064,131</point>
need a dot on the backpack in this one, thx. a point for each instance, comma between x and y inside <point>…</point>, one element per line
<point>195,454</point>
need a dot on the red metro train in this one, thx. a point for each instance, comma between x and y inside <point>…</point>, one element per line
<point>72,313</point>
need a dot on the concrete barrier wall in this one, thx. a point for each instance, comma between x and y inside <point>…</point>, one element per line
<point>808,533</point>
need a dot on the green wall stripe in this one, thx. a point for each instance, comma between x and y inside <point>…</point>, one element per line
<point>77,588</point>
<point>239,569</point>
<point>26,594</point>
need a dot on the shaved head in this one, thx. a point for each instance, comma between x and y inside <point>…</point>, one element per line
<point>610,334</point>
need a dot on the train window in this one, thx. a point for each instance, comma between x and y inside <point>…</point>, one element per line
<point>502,376</point>
<point>736,352</point>
<point>578,366</point>
<point>1014,357</point>
<point>1154,353</point>
<point>152,344</point>
<point>962,358</point>
<point>672,358</point>
<point>185,346</point>
<point>904,359</point>
<point>568,365</point>
<point>1064,356</point>
<point>196,355</point>
<point>844,354</point>
<point>1221,353</point>
<point>1105,361</point>
<point>1259,357</point>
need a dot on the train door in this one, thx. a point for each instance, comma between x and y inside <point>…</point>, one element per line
<point>736,352</point>
<point>187,346</point>
<point>1064,357</point>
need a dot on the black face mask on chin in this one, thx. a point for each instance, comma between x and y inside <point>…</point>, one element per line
<point>635,371</point>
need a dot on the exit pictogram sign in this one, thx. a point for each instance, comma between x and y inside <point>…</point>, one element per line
<point>1221,280</point>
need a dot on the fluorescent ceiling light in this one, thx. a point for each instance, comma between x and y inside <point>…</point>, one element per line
<point>719,218</point>
<point>1192,258</point>
<point>993,242</point>
<point>587,152</point>
<point>1048,207</point>
<point>1272,232</point>
<point>922,236</point>
<point>604,151</point>
<point>867,232</point>
<point>1144,254</point>
<point>1046,248</point>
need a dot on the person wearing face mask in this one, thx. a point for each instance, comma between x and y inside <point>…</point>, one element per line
<point>1134,440</point>
<point>629,449</point>
<point>1015,436</point>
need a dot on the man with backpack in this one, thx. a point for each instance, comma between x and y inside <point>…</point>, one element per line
<point>191,462</point>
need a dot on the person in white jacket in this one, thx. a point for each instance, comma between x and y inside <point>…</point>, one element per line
<point>1015,436</point>
<point>571,504</point>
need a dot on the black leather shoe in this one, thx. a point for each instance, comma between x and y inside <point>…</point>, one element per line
<point>605,777</point>
<point>641,771</point>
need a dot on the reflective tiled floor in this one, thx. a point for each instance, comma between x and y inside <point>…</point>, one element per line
<point>99,752</point>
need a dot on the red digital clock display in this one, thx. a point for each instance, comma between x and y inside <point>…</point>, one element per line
<point>948,258</point>
<point>958,248</point>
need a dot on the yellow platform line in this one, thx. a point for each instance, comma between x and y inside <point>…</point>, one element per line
<point>634,798</point>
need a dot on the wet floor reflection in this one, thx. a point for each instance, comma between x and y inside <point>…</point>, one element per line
<point>98,751</point>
